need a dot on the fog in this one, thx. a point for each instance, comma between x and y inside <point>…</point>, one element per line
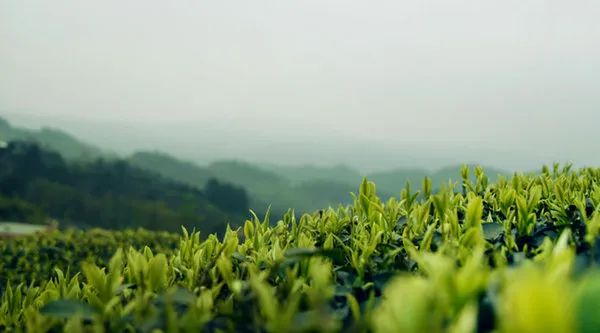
<point>374,84</point>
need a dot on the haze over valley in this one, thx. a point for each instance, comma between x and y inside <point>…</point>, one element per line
<point>510,84</point>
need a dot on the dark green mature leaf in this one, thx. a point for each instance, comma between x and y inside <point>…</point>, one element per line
<point>336,255</point>
<point>68,308</point>
<point>492,231</point>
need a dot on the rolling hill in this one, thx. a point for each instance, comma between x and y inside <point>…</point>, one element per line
<point>171,167</point>
<point>67,145</point>
<point>265,187</point>
<point>309,173</point>
<point>108,194</point>
<point>305,187</point>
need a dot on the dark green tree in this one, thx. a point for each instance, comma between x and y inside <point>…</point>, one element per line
<point>226,196</point>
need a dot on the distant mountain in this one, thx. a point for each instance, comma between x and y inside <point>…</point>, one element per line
<point>393,181</point>
<point>258,183</point>
<point>453,172</point>
<point>171,167</point>
<point>304,188</point>
<point>309,173</point>
<point>67,145</point>
<point>323,193</point>
<point>389,182</point>
<point>265,187</point>
<point>108,194</point>
<point>254,178</point>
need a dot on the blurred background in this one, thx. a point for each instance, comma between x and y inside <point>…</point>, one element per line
<point>158,114</point>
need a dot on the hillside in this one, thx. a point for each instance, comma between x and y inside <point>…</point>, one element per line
<point>281,191</point>
<point>67,145</point>
<point>238,174</point>
<point>171,167</point>
<point>265,187</point>
<point>341,174</point>
<point>109,194</point>
<point>306,187</point>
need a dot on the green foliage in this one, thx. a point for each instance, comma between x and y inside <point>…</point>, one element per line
<point>171,167</point>
<point>516,255</point>
<point>15,209</point>
<point>107,194</point>
<point>35,259</point>
<point>68,146</point>
<point>227,197</point>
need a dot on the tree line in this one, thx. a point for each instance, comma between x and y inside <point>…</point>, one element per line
<point>37,184</point>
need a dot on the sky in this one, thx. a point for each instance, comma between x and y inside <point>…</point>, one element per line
<point>373,84</point>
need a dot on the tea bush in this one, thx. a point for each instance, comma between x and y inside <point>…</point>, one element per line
<point>518,255</point>
<point>35,259</point>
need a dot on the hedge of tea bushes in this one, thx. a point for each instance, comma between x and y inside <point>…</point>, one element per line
<point>35,259</point>
<point>518,255</point>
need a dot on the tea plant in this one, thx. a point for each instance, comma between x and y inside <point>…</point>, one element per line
<point>518,255</point>
<point>31,259</point>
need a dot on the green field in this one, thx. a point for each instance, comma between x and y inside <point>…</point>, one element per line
<point>516,255</point>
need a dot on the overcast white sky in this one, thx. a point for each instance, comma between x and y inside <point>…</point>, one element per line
<point>313,81</point>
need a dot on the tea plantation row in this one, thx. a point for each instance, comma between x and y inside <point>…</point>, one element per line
<point>519,255</point>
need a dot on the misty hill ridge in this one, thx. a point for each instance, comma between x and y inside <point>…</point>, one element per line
<point>108,194</point>
<point>265,188</point>
<point>299,174</point>
<point>65,144</point>
<point>305,187</point>
<point>172,167</point>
